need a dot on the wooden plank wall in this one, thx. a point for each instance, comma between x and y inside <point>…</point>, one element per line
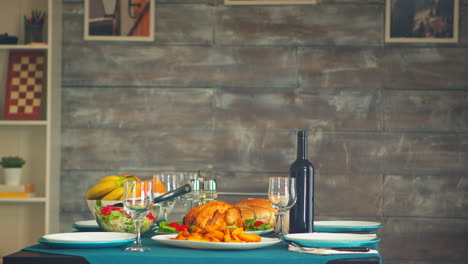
<point>223,89</point>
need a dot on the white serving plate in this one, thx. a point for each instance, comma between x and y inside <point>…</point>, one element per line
<point>89,237</point>
<point>87,223</point>
<point>346,226</point>
<point>331,237</point>
<point>328,240</point>
<point>166,240</point>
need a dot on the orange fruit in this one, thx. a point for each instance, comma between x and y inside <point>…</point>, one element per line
<point>158,187</point>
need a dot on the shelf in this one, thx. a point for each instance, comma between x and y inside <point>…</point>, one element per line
<point>36,140</point>
<point>23,200</point>
<point>24,47</point>
<point>23,122</point>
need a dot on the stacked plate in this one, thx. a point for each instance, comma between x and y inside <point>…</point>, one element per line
<point>332,240</point>
<point>346,226</point>
<point>330,234</point>
<point>86,225</point>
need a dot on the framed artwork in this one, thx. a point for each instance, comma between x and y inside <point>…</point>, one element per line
<point>270,2</point>
<point>119,20</point>
<point>420,21</point>
<point>25,83</point>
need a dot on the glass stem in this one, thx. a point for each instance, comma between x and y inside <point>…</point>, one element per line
<point>138,233</point>
<point>165,214</point>
<point>281,231</point>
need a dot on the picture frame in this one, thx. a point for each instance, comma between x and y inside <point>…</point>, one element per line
<point>270,2</point>
<point>25,85</point>
<point>421,21</point>
<point>119,20</point>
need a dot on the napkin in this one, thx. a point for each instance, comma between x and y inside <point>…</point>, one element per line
<point>327,251</point>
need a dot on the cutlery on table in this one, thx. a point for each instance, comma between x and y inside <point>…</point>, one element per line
<point>352,249</point>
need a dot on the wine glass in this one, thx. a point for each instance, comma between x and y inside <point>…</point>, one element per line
<point>184,179</point>
<point>282,196</point>
<point>138,201</point>
<point>170,182</point>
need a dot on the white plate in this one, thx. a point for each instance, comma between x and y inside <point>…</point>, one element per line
<point>260,232</point>
<point>331,237</point>
<point>346,226</point>
<point>87,223</point>
<point>166,239</point>
<point>89,237</point>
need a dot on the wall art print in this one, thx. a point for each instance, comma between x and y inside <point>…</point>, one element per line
<point>421,21</point>
<point>119,20</point>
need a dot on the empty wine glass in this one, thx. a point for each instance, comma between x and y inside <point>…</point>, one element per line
<point>282,196</point>
<point>138,201</point>
<point>170,182</point>
<point>185,178</point>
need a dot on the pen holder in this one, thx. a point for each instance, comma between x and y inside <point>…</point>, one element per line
<point>32,33</point>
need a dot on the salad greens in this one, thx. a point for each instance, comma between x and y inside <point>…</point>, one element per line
<point>165,228</point>
<point>172,227</point>
<point>254,225</point>
<point>115,219</point>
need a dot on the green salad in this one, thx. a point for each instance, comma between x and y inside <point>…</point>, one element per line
<point>115,219</point>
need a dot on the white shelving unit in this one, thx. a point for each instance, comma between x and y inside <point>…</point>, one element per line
<point>37,141</point>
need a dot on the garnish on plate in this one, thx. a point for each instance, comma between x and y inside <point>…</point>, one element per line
<point>254,225</point>
<point>171,227</point>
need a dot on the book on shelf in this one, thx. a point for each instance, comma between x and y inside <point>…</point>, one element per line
<point>22,188</point>
<point>16,194</point>
<point>17,191</point>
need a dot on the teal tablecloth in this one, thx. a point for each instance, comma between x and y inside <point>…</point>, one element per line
<point>277,254</point>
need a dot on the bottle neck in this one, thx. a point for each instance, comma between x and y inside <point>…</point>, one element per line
<point>302,145</point>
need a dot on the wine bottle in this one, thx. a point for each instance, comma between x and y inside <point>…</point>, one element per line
<point>301,215</point>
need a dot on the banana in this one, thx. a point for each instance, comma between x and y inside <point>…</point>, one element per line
<point>101,189</point>
<point>106,186</point>
<point>110,178</point>
<point>114,195</point>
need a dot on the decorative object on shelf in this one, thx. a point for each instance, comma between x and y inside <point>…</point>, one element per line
<point>5,39</point>
<point>25,82</point>
<point>33,27</point>
<point>421,21</point>
<point>270,2</point>
<point>12,168</point>
<point>16,191</point>
<point>119,20</point>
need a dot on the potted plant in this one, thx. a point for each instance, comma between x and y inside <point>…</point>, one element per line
<point>12,166</point>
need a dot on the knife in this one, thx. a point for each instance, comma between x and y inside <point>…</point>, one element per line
<point>184,189</point>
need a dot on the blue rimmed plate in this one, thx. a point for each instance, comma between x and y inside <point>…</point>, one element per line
<point>329,240</point>
<point>346,226</point>
<point>86,226</point>
<point>87,239</point>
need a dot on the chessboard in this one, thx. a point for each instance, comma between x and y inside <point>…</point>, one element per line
<point>25,83</point>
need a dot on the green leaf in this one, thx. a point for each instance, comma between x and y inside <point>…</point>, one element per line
<point>165,228</point>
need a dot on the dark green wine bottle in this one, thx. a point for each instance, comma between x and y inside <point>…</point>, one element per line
<point>301,215</point>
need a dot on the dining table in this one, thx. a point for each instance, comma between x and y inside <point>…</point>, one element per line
<point>162,253</point>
